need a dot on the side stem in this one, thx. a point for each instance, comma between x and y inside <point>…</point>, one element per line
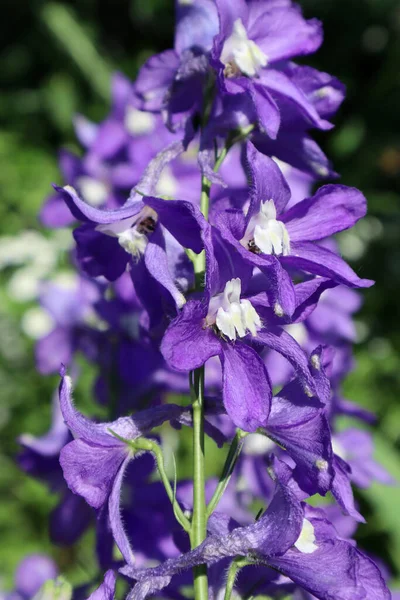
<point>199,520</point>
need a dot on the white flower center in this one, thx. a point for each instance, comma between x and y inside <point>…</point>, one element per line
<point>257,444</point>
<point>132,233</point>
<point>94,192</point>
<point>241,55</point>
<point>233,317</point>
<point>138,122</point>
<point>265,233</point>
<point>306,540</point>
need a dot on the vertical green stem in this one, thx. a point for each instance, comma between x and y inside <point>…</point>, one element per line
<point>198,530</point>
<point>199,519</point>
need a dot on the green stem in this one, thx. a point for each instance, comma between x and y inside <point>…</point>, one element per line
<point>236,565</point>
<point>198,530</point>
<point>233,455</point>
<point>179,515</point>
<point>199,520</point>
<point>143,444</point>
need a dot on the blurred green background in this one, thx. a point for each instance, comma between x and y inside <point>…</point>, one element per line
<point>56,60</point>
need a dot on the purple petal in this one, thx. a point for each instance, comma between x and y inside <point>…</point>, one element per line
<point>53,350</point>
<point>308,295</point>
<point>341,489</point>
<point>335,570</point>
<point>110,139</point>
<point>71,517</point>
<point>106,591</point>
<point>32,572</point>
<point>154,79</point>
<point>90,470</point>
<point>283,33</point>
<point>182,219</point>
<point>320,261</point>
<point>156,261</point>
<point>246,386</point>
<point>269,118</point>
<point>100,254</point>
<point>54,213</point>
<point>187,343</point>
<point>117,527</point>
<point>280,341</point>
<point>297,149</point>
<point>197,24</point>
<point>94,433</point>
<point>87,213</point>
<point>324,91</point>
<point>284,91</point>
<point>266,182</point>
<point>85,131</point>
<point>332,209</point>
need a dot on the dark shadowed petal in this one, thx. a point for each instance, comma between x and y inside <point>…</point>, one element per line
<point>283,89</point>
<point>297,149</point>
<point>266,182</point>
<point>246,386</point>
<point>273,534</point>
<point>320,261</point>
<point>332,209</point>
<point>70,518</point>
<point>182,219</point>
<point>100,254</point>
<point>267,110</point>
<point>187,343</point>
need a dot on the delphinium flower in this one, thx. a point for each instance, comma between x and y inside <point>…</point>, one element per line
<point>209,253</point>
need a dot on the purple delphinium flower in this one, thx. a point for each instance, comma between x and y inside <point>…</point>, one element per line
<point>292,538</point>
<point>94,463</point>
<point>172,82</point>
<point>253,41</point>
<point>267,234</point>
<point>111,240</point>
<point>220,324</point>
